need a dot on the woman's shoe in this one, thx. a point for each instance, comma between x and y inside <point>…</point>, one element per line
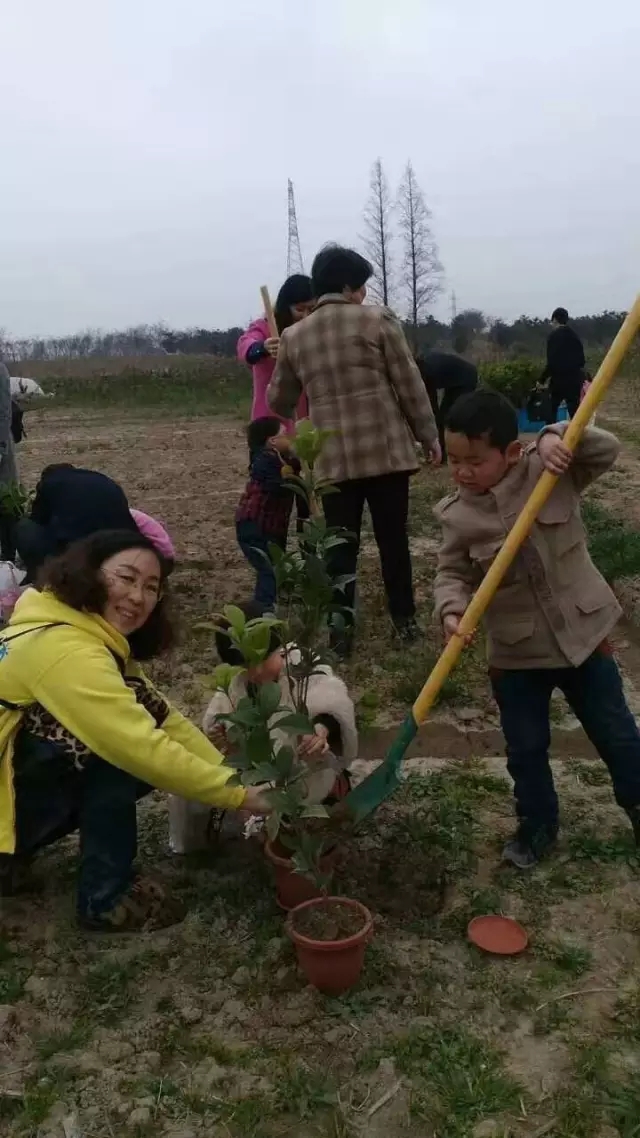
<point>145,907</point>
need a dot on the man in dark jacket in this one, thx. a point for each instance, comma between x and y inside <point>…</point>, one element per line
<point>69,504</point>
<point>565,365</point>
<point>451,375</point>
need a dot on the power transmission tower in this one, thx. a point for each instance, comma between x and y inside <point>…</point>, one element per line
<point>454,308</point>
<point>294,252</point>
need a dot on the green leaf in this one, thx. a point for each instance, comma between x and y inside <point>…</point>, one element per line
<point>263,772</point>
<point>273,824</point>
<point>284,760</point>
<point>269,699</point>
<point>224,675</point>
<point>318,811</point>
<point>294,723</point>
<point>236,618</point>
<point>258,748</point>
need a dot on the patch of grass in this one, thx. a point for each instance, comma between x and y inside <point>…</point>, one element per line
<point>566,958</point>
<point>626,1015</point>
<point>593,1098</point>
<point>109,988</point>
<point>184,385</point>
<point>41,1095</point>
<point>591,774</point>
<point>69,1040</point>
<point>427,489</point>
<point>614,546</point>
<point>588,845</point>
<point>13,973</point>
<point>458,1079</point>
<point>442,820</point>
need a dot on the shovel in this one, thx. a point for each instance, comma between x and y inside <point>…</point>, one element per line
<point>366,797</point>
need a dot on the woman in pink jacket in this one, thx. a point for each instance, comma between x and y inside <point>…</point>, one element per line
<point>258,348</point>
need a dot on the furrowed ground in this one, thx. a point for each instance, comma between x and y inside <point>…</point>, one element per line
<point>208,1029</point>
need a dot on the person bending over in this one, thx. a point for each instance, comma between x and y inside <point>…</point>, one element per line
<point>69,504</point>
<point>451,375</point>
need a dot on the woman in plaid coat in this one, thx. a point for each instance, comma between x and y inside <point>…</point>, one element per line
<point>355,367</point>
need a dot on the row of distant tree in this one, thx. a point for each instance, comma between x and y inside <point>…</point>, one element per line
<point>524,336</point>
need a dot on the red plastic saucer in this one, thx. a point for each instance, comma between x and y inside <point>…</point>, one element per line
<point>502,936</point>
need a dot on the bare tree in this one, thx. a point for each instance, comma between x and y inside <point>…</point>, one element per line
<point>422,272</point>
<point>377,237</point>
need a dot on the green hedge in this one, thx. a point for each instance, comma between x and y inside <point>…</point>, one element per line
<point>513,378</point>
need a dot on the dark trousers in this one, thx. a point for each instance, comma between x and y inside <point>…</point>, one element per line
<point>255,546</point>
<point>387,497</point>
<point>565,389</point>
<point>34,546</point>
<point>54,798</point>
<point>595,695</point>
<point>442,406</point>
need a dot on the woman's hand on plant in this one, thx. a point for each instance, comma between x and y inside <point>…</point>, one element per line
<point>314,746</point>
<point>271,346</point>
<point>256,801</point>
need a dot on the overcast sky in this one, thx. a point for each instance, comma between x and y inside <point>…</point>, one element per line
<point>147,146</point>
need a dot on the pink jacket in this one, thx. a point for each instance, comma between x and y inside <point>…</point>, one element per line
<point>155,532</point>
<point>257,333</point>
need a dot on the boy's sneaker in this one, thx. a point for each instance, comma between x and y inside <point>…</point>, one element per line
<point>407,631</point>
<point>145,907</point>
<point>528,845</point>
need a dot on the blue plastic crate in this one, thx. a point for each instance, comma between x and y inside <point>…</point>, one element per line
<point>526,427</point>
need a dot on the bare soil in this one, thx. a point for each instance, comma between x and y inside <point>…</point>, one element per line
<point>330,921</point>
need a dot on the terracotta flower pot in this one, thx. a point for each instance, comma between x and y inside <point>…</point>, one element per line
<point>292,888</point>
<point>331,966</point>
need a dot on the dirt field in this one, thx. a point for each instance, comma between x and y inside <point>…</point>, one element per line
<point>208,1029</point>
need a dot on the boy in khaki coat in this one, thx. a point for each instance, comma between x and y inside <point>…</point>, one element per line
<point>548,623</point>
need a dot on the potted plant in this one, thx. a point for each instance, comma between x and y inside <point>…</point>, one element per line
<point>262,729</point>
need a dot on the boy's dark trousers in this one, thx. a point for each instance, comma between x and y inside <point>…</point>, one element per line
<point>595,695</point>
<point>255,546</point>
<point>55,798</point>
<point>388,499</point>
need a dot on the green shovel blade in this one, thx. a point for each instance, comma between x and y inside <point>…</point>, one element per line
<point>381,783</point>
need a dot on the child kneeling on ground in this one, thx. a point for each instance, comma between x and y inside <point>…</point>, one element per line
<point>328,752</point>
<point>548,623</point>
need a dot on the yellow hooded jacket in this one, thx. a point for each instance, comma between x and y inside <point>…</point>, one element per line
<point>74,665</point>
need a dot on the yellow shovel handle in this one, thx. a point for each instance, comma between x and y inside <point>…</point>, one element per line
<point>522,526</point>
<point>268,311</point>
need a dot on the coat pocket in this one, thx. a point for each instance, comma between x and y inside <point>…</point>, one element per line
<point>484,553</point>
<point>560,525</point>
<point>595,598</point>
<point>513,631</point>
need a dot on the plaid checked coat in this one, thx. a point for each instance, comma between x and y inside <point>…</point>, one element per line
<point>355,367</point>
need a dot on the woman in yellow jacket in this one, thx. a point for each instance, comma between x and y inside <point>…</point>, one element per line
<point>83,734</point>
